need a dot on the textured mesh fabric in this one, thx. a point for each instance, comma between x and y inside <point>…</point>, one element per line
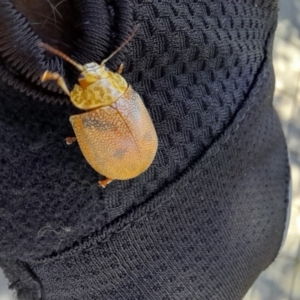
<point>208,215</point>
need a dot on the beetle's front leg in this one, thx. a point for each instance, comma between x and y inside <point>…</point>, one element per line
<point>120,69</point>
<point>59,79</point>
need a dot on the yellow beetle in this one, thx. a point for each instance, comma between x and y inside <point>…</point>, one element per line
<point>115,134</point>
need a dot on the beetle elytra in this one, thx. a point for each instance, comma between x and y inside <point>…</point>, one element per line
<point>115,134</point>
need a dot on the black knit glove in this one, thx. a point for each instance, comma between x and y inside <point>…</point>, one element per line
<point>208,215</point>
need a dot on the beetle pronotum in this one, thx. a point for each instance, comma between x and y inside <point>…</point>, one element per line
<point>115,134</point>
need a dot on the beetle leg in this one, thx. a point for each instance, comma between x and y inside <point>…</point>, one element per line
<point>59,79</point>
<point>105,182</point>
<point>120,69</point>
<point>70,140</point>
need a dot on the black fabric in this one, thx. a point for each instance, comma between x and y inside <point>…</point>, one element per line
<point>207,217</point>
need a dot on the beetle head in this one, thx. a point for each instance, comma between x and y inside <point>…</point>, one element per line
<point>91,73</point>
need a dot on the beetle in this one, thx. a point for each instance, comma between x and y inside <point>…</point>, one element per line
<point>115,133</point>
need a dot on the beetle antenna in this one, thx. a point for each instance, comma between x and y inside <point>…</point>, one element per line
<point>135,28</point>
<point>62,55</point>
